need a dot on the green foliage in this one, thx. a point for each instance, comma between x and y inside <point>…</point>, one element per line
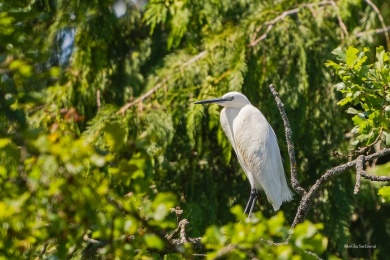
<point>366,88</point>
<point>382,169</point>
<point>256,236</point>
<point>385,194</point>
<point>79,179</point>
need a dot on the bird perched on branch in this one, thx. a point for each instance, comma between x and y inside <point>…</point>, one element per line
<point>256,146</point>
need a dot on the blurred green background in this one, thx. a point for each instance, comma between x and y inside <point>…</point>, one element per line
<point>99,136</point>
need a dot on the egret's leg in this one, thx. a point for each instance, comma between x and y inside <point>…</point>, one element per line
<point>251,202</point>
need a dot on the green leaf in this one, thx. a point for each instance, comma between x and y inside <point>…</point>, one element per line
<point>387,138</point>
<point>275,223</point>
<point>351,56</point>
<point>332,64</point>
<point>4,142</point>
<point>352,111</point>
<point>162,204</point>
<point>340,86</point>
<point>339,53</point>
<point>306,236</point>
<point>344,101</point>
<point>384,192</point>
<point>114,136</point>
<point>153,241</point>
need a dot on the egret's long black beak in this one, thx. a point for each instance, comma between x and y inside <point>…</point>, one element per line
<point>214,100</point>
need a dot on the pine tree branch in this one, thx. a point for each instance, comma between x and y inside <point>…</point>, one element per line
<point>341,23</point>
<point>162,83</point>
<point>382,21</point>
<point>376,31</point>
<point>290,145</point>
<point>307,199</point>
<point>270,24</point>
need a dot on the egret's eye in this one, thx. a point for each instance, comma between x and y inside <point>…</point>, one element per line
<point>230,98</point>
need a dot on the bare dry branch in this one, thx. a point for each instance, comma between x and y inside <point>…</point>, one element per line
<point>290,146</point>
<point>363,149</point>
<point>183,238</point>
<point>359,170</point>
<point>307,199</point>
<point>371,177</point>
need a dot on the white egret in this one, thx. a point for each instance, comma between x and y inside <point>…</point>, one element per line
<point>256,146</point>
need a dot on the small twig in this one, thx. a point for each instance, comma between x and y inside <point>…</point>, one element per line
<point>178,212</point>
<point>338,154</point>
<point>171,246</point>
<point>181,227</point>
<point>307,199</point>
<point>270,24</point>
<point>183,238</point>
<point>272,243</point>
<point>382,21</point>
<point>363,149</point>
<point>43,250</point>
<point>290,146</point>
<point>225,250</point>
<point>377,31</point>
<point>344,30</point>
<point>371,177</point>
<point>183,235</point>
<point>98,99</point>
<point>144,96</point>
<point>359,170</point>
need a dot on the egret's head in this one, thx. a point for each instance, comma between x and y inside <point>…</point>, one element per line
<point>231,99</point>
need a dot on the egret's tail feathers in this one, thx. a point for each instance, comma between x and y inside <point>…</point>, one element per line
<point>285,196</point>
<point>276,206</point>
<point>288,195</point>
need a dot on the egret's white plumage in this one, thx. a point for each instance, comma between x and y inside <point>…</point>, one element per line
<point>255,144</point>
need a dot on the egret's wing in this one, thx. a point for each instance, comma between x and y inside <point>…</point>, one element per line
<point>227,117</point>
<point>258,149</point>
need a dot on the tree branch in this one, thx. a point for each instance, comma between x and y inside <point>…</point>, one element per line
<point>290,146</point>
<point>382,21</point>
<point>270,24</point>
<point>359,170</point>
<point>377,31</point>
<point>363,149</point>
<point>341,23</point>
<point>162,83</point>
<point>307,199</point>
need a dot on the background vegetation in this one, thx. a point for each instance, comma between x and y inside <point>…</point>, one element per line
<point>99,137</point>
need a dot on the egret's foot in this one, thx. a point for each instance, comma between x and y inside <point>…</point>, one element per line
<point>251,202</point>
